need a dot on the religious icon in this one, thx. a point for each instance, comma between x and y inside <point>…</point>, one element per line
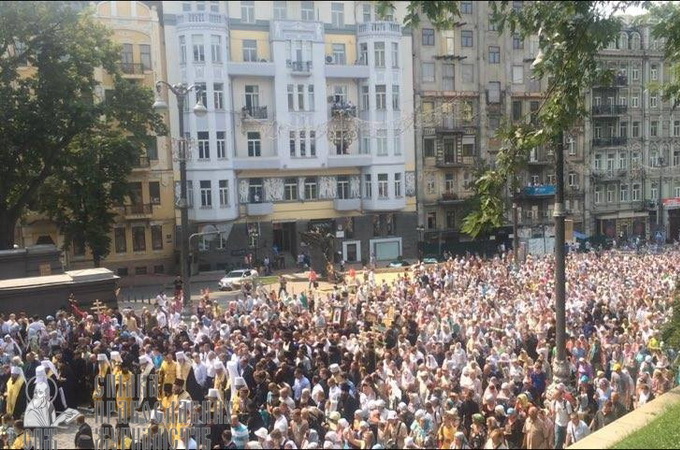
<point>337,315</point>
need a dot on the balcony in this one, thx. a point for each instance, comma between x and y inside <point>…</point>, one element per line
<point>610,141</point>
<point>358,70</point>
<point>347,158</point>
<point>347,204</point>
<point>380,27</point>
<point>138,211</point>
<point>541,159</point>
<point>188,19</point>
<point>261,68</point>
<point>451,198</point>
<point>450,125</point>
<point>609,175</point>
<point>254,113</point>
<point>450,160</point>
<point>538,191</point>
<point>609,110</point>
<point>342,109</point>
<point>259,209</point>
<point>141,163</point>
<point>300,67</point>
<point>132,68</point>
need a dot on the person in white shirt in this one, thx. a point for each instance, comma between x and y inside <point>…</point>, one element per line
<point>561,411</point>
<point>576,430</point>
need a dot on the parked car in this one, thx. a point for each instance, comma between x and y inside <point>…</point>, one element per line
<point>430,259</point>
<point>399,263</point>
<point>235,278</point>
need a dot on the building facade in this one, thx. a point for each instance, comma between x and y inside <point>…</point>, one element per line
<point>309,126</point>
<point>142,240</point>
<point>633,139</point>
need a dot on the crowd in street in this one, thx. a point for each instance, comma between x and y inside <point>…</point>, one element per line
<point>450,355</point>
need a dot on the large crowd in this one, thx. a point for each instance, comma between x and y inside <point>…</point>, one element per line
<point>450,355</point>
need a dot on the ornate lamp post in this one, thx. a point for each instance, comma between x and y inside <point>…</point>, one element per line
<point>183,154</point>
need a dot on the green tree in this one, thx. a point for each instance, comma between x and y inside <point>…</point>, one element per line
<point>66,150</point>
<point>665,20</point>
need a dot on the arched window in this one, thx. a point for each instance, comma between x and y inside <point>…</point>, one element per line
<point>635,41</point>
<point>623,41</point>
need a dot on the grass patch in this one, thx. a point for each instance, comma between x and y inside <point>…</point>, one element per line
<point>662,432</point>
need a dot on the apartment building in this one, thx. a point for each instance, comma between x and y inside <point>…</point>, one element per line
<point>143,234</point>
<point>634,143</point>
<point>309,126</point>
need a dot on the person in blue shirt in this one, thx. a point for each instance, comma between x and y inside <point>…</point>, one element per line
<point>301,383</point>
<point>239,433</point>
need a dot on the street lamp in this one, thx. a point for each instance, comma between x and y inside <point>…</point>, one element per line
<point>659,199</point>
<point>420,229</point>
<point>181,90</point>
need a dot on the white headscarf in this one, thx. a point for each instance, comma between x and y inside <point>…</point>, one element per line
<point>47,364</point>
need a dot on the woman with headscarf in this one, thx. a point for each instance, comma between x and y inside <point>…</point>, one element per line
<point>460,441</point>
<point>56,389</point>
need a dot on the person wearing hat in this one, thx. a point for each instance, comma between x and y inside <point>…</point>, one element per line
<point>347,404</point>
<point>168,372</point>
<point>535,432</point>
<point>221,382</point>
<point>148,391</point>
<point>478,431</point>
<point>182,366</point>
<point>15,393</point>
<point>460,441</point>
<point>447,430</point>
<point>102,392</point>
<point>124,392</point>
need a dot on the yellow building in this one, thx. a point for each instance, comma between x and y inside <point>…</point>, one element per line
<point>142,239</point>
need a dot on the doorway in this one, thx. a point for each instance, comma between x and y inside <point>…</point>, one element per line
<point>285,238</point>
<point>673,225</point>
<point>351,251</point>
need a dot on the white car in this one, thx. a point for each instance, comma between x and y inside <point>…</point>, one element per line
<point>235,278</point>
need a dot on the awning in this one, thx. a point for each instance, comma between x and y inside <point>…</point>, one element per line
<point>579,235</point>
<point>623,215</point>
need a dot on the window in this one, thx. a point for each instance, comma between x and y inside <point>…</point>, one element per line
<point>216,48</point>
<point>218,96</point>
<point>517,42</point>
<point>465,38</point>
<point>382,185</point>
<point>363,53</point>
<point>494,92</point>
<point>654,128</point>
<point>395,97</point>
<point>395,55</point>
<point>312,143</point>
<point>397,185</point>
<point>120,239</point>
<point>466,7</point>
<point>152,148</point>
<point>623,129</point>
<point>379,50</point>
<point>653,101</point>
<point>494,55</point>
<point>676,160</point>
<point>291,97</point>
<point>138,239</point>
<point>255,191</point>
<point>365,98</point>
<point>449,183</point>
<point>200,6</point>
<point>145,56</point>
<point>635,73</point>
<point>636,129</point>
<point>339,56</point>
<point>310,188</point>
<point>623,161</point>
<point>201,94</point>
<point>468,73</point>
<point>224,192</point>
<point>186,7</point>
<point>432,220</point>
<point>430,185</point>
<point>517,4</point>
<point>366,12</point>
<point>155,192</point>
<point>381,142</point>
<point>303,143</point>
<point>623,193</point>
<point>428,36</point>
<point>206,194</point>
<point>635,159</point>
<point>654,72</point>
<point>199,50</point>
<point>517,74</point>
<point>254,144</point>
<point>126,57</point>
<point>310,97</point>
<point>516,110</point>
<point>338,15</point>
<point>572,179</point>
<point>598,162</point>
<point>182,50</point>
<point>428,72</point>
<point>654,192</point>
<point>248,11</point>
<point>610,194</point>
<point>292,143</point>
<point>598,194</point>
<point>381,96</point>
<point>190,193</point>
<point>301,97</point>
<point>221,145</point>
<point>368,186</point>
<point>635,101</point>
<point>307,10</point>
<point>280,10</point>
<point>203,145</point>
<point>290,189</point>
<point>428,147</point>
<point>397,143</point>
<point>635,192</point>
<point>677,191</point>
<point>610,162</point>
<point>676,128</point>
<point>249,50</point>
<point>343,186</point>
<point>447,77</point>
<point>157,237</point>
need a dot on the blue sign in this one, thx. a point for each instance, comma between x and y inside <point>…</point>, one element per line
<point>540,190</point>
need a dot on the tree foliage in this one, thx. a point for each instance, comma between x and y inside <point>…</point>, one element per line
<point>665,18</point>
<point>65,149</point>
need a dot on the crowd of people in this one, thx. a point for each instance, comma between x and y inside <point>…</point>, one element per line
<point>449,355</point>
